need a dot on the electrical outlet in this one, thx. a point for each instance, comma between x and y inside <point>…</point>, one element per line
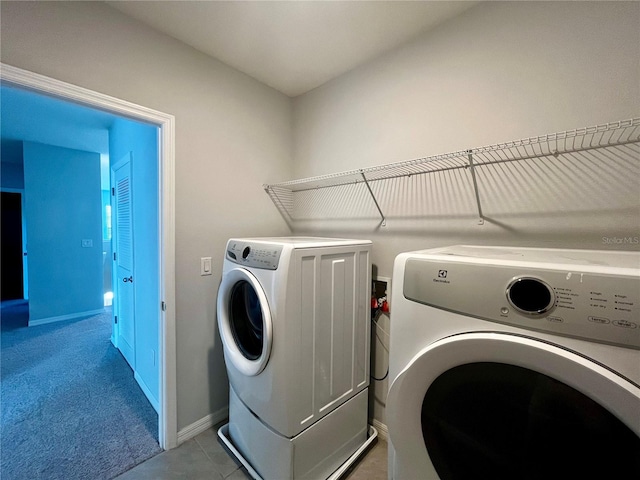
<point>87,243</point>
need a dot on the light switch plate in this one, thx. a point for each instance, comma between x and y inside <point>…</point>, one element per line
<point>205,266</point>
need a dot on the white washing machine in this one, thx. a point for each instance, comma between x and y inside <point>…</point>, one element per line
<point>515,363</point>
<point>293,315</point>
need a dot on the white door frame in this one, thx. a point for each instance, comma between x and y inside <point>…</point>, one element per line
<point>168,421</point>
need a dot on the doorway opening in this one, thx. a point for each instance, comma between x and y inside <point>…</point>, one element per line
<point>12,245</point>
<point>166,357</point>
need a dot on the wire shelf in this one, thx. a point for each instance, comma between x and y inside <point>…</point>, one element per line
<point>608,136</point>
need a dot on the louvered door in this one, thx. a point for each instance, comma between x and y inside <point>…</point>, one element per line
<point>123,263</point>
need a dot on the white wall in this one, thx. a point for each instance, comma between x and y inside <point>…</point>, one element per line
<point>62,200</point>
<point>232,135</point>
<point>499,72</point>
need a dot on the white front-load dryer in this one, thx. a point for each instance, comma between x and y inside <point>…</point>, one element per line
<point>515,363</point>
<point>293,315</point>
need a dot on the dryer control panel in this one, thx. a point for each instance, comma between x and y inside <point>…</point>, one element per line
<point>592,305</point>
<point>256,255</point>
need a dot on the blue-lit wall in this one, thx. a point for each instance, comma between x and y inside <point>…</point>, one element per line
<point>63,209</point>
<point>12,175</point>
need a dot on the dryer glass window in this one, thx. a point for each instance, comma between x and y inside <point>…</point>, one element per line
<point>492,420</point>
<point>246,320</point>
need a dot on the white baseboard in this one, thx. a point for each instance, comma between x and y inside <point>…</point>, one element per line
<point>147,393</point>
<point>43,321</point>
<point>383,432</point>
<point>203,424</point>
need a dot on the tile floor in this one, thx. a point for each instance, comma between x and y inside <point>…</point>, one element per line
<point>203,457</point>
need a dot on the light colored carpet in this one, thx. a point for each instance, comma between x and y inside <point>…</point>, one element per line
<point>70,406</point>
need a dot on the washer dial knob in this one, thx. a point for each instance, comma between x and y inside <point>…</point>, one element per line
<point>530,295</point>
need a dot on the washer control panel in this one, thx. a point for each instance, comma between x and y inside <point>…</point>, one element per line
<point>594,306</point>
<point>255,255</point>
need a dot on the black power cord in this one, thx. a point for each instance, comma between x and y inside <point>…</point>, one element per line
<point>374,320</point>
<point>380,379</point>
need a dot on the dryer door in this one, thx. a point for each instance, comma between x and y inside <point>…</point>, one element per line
<point>244,321</point>
<point>501,406</point>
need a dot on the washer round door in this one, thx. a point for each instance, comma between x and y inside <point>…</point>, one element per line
<point>244,321</point>
<point>501,406</point>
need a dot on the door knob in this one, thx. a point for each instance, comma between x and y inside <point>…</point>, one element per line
<point>130,279</point>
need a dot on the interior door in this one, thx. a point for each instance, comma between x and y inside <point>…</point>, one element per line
<point>11,255</point>
<point>123,259</point>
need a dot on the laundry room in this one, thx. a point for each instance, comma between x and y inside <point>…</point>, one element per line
<point>497,124</point>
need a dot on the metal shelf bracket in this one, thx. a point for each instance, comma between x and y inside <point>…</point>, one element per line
<point>475,187</point>
<point>384,220</point>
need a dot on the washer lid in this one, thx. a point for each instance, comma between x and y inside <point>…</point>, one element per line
<point>604,261</point>
<point>304,242</point>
